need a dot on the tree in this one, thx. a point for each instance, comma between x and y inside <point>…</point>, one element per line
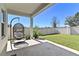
<point>77,18</point>
<point>72,20</point>
<point>54,22</point>
<point>77,14</point>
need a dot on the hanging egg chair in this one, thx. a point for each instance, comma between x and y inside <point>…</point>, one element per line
<point>18,31</point>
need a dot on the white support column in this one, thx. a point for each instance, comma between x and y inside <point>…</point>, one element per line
<point>31,27</point>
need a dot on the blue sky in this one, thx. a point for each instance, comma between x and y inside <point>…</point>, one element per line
<point>44,19</point>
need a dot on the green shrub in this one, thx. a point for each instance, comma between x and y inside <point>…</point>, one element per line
<point>36,32</point>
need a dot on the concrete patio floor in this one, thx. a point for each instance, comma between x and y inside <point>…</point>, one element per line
<point>42,49</point>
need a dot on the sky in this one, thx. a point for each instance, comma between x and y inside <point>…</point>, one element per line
<point>44,19</point>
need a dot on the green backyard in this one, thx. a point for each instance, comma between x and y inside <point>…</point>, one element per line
<point>71,41</point>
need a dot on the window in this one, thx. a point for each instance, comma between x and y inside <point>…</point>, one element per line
<point>2,29</point>
<point>3,22</point>
<point>4,15</point>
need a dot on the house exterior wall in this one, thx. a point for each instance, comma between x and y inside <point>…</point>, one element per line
<point>9,32</point>
<point>3,39</point>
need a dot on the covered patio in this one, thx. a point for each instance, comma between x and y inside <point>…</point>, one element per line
<point>28,9</point>
<point>36,47</point>
<point>41,48</point>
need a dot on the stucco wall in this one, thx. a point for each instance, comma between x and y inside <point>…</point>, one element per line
<point>3,40</point>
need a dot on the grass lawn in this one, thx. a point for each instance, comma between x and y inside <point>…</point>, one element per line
<point>71,41</point>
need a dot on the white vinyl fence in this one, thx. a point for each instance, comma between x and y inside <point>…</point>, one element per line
<point>49,30</point>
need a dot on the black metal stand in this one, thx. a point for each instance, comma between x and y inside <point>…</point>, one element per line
<point>11,36</point>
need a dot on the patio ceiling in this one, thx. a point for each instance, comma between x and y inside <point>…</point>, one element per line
<point>26,9</point>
